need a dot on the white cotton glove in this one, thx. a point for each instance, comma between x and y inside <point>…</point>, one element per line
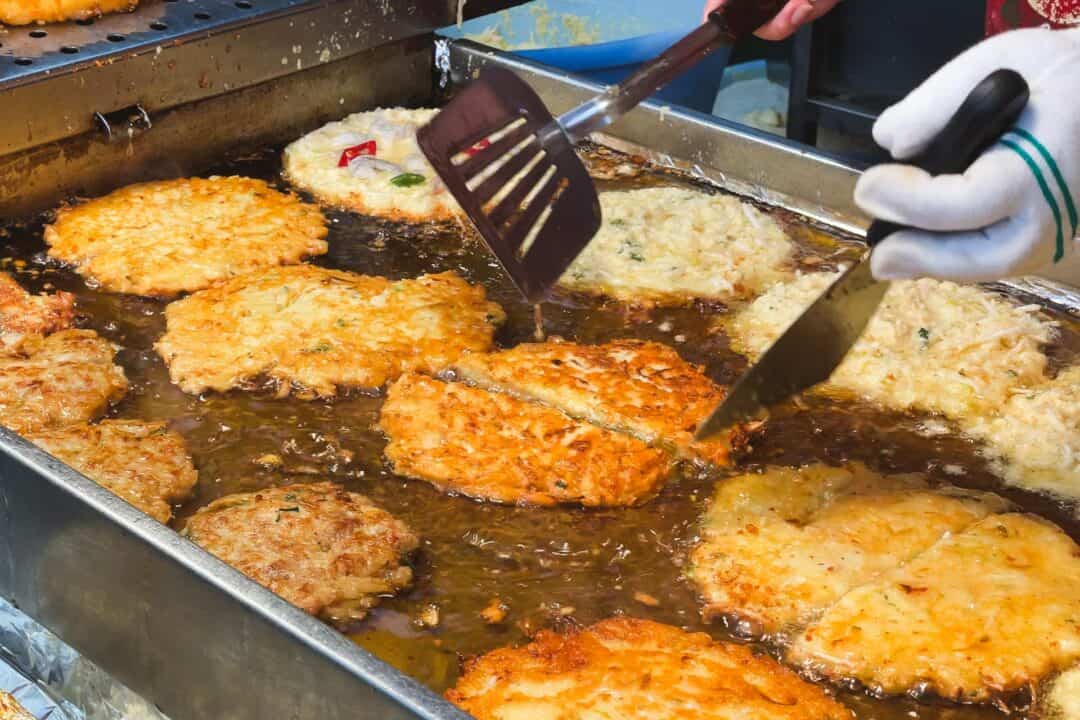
<point>997,220</point>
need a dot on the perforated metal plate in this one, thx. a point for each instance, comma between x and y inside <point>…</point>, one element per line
<point>54,78</point>
<point>29,50</point>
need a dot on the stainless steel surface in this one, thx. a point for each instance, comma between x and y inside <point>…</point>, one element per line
<point>807,352</point>
<point>194,136</point>
<point>53,78</point>
<point>155,610</point>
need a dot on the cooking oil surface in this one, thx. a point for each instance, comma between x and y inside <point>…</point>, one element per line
<point>490,575</point>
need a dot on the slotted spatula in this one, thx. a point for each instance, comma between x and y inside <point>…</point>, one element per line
<point>512,167</point>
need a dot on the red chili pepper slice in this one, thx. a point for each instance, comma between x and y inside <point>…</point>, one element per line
<point>364,148</point>
<point>482,145</point>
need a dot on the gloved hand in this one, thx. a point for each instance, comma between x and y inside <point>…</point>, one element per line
<point>794,15</point>
<point>1014,212</point>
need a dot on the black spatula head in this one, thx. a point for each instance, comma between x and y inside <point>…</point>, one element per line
<point>517,177</point>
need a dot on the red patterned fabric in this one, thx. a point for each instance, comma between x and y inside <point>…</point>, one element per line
<point>1002,15</point>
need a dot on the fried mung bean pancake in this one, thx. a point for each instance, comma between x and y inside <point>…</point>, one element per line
<point>641,388</point>
<point>68,377</point>
<point>670,246</point>
<point>1033,441</point>
<point>322,330</point>
<point>494,446</point>
<point>624,669</point>
<point>25,12</point>
<point>779,547</point>
<point>145,463</point>
<point>328,551</point>
<point>10,709</point>
<point>167,237</point>
<point>985,612</point>
<point>933,346</point>
<point>373,183</point>
<point>23,314</point>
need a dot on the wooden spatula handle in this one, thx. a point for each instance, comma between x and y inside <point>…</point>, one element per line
<point>742,17</point>
<point>735,19</point>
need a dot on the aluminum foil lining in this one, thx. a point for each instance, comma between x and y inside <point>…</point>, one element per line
<point>54,682</point>
<point>33,697</point>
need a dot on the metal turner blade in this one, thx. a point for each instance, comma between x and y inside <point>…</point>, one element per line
<point>512,167</point>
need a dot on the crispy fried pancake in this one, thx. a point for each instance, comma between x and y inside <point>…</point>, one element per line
<point>368,184</point>
<point>143,462</point>
<point>933,346</point>
<point>10,709</point>
<point>23,314</point>
<point>494,446</point>
<point>623,669</point>
<point>778,548</point>
<point>68,377</point>
<point>986,611</point>
<point>172,236</point>
<point>641,388</point>
<point>1063,700</point>
<point>323,330</point>
<point>1034,439</point>
<point>24,12</point>
<point>328,551</point>
<point>670,245</point>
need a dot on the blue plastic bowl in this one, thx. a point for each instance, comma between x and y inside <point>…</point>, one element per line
<point>622,46</point>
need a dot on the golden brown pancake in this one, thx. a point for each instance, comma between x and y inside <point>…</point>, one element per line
<point>625,669</point>
<point>326,550</point>
<point>25,12</point>
<point>167,237</point>
<point>10,709</point>
<point>494,446</point>
<point>641,388</point>
<point>779,547</point>
<point>23,314</point>
<point>986,611</point>
<point>323,330</point>
<point>66,378</point>
<point>143,462</point>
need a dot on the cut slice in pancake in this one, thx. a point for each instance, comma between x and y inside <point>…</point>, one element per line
<point>778,548</point>
<point>23,314</point>
<point>671,246</point>
<point>143,462</point>
<point>173,236</point>
<point>68,377</point>
<point>641,388</point>
<point>494,446</point>
<point>626,669</point>
<point>326,550</point>
<point>370,163</point>
<point>322,331</point>
<point>983,613</point>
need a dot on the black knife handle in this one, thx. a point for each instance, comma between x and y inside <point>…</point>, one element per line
<point>987,114</point>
